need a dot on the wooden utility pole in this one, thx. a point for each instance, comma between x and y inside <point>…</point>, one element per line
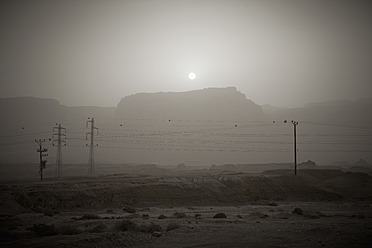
<point>295,123</point>
<point>41,151</point>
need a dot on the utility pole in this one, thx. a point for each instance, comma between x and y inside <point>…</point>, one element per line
<point>41,151</point>
<point>295,123</point>
<point>91,146</point>
<point>60,141</point>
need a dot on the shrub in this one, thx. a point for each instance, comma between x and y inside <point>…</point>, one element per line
<point>154,228</point>
<point>125,225</point>
<point>89,217</point>
<point>171,226</point>
<point>180,215</point>
<point>219,216</point>
<point>197,216</point>
<point>129,210</point>
<point>69,230</point>
<point>145,216</point>
<point>162,217</point>
<point>132,216</point>
<point>361,216</point>
<point>49,213</point>
<point>298,211</point>
<point>98,228</point>
<point>156,234</point>
<point>42,230</point>
<point>258,215</point>
<point>142,228</point>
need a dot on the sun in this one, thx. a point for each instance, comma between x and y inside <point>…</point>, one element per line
<point>192,76</point>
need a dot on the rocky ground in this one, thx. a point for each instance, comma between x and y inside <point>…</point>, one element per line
<point>273,209</point>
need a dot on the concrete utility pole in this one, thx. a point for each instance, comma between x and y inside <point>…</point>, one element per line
<point>91,150</point>
<point>60,141</point>
<point>295,123</point>
<point>41,151</point>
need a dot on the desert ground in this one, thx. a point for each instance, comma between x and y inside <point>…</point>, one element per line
<point>159,208</point>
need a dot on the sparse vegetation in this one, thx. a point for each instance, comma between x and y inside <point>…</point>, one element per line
<point>42,230</point>
<point>162,217</point>
<point>100,228</point>
<point>156,234</point>
<point>142,228</point>
<point>129,210</point>
<point>180,215</point>
<point>172,226</point>
<point>154,228</point>
<point>125,225</point>
<point>89,217</point>
<point>148,228</point>
<point>49,213</point>
<point>298,211</point>
<point>132,216</point>
<point>272,204</point>
<point>219,216</point>
<point>69,229</point>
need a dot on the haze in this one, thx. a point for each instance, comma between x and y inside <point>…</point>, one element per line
<point>284,53</point>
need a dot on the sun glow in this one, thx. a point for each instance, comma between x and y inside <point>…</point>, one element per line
<point>192,76</point>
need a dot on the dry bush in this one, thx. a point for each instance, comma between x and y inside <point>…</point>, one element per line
<point>162,217</point>
<point>197,216</point>
<point>49,213</point>
<point>42,230</point>
<point>298,211</point>
<point>219,216</point>
<point>69,230</point>
<point>100,228</point>
<point>173,225</point>
<point>129,210</point>
<point>89,217</point>
<point>142,228</point>
<point>125,225</point>
<point>154,228</point>
<point>258,215</point>
<point>180,215</point>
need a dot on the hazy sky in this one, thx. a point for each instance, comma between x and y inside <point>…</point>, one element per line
<point>281,52</point>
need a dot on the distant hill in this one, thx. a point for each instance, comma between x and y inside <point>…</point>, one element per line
<point>25,110</point>
<point>209,126</point>
<point>220,104</point>
<point>343,110</point>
